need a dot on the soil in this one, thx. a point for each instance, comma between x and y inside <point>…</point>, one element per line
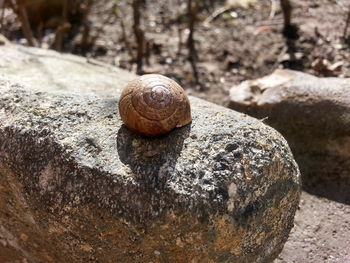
<point>241,44</point>
<point>321,233</point>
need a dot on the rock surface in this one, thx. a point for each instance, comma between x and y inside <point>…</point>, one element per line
<point>314,116</point>
<point>77,186</point>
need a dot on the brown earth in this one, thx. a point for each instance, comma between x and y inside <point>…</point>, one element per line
<point>241,44</point>
<point>321,233</point>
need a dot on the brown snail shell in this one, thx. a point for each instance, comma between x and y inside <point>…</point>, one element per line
<point>153,105</point>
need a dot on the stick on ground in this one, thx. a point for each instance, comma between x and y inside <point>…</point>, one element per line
<point>347,23</point>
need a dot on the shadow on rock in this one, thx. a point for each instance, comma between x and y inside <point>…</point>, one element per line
<point>325,176</point>
<point>152,160</point>
<point>333,190</point>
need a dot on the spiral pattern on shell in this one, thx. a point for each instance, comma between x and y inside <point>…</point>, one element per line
<point>153,105</point>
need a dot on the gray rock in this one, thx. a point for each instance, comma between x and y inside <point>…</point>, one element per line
<point>47,70</point>
<point>82,187</point>
<point>314,115</point>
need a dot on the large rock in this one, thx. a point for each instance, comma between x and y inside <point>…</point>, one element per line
<point>77,186</point>
<point>314,115</point>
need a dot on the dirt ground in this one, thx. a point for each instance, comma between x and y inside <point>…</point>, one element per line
<point>321,233</point>
<point>241,44</point>
<point>232,50</point>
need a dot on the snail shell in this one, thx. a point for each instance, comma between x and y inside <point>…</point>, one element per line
<point>153,105</point>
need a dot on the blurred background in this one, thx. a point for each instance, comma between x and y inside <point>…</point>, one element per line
<point>206,45</point>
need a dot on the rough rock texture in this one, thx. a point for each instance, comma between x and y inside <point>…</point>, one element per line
<point>314,116</point>
<point>77,186</point>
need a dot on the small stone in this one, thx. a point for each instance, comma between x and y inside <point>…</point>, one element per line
<point>86,247</point>
<point>23,237</point>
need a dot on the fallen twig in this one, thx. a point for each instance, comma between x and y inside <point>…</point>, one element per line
<point>347,23</point>
<point>273,8</point>
<point>2,15</point>
<point>287,13</point>
<point>62,28</point>
<point>269,22</point>
<point>216,14</point>
<point>139,35</point>
<point>23,17</point>
<point>85,38</point>
<point>192,52</point>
